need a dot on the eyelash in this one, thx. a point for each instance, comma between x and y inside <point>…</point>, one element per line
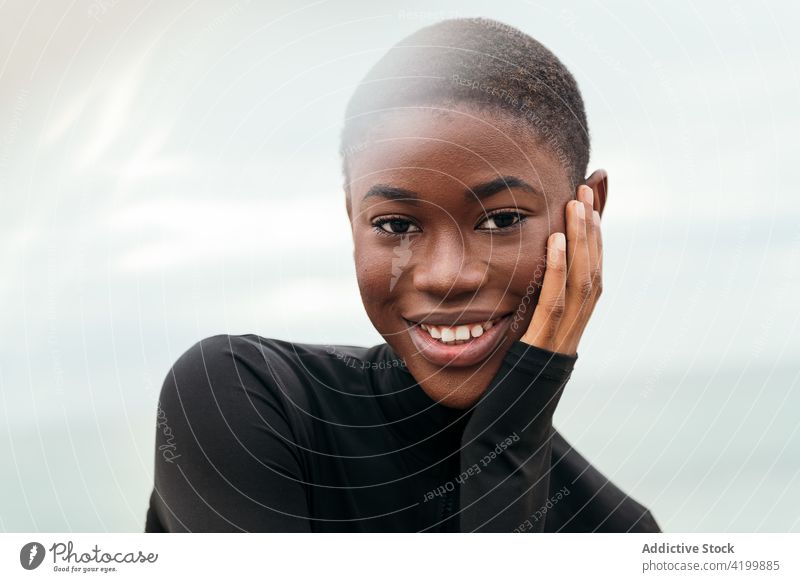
<point>378,224</point>
<point>520,219</point>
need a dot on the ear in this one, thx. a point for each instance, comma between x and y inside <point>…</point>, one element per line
<point>598,182</point>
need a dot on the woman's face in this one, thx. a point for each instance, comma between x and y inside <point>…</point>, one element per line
<point>450,215</point>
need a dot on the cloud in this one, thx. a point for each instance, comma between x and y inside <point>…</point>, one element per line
<point>174,232</point>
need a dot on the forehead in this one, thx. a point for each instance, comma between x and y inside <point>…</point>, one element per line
<point>453,147</point>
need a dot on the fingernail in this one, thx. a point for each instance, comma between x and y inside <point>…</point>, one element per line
<point>580,210</point>
<point>560,242</point>
<point>588,195</point>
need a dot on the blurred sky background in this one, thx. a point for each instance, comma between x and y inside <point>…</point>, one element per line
<point>169,171</point>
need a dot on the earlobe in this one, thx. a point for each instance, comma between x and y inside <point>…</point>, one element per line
<point>598,182</point>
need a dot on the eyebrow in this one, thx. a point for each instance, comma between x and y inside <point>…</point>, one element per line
<point>479,191</point>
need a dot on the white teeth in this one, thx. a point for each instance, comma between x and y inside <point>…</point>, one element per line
<point>462,332</point>
<point>457,334</point>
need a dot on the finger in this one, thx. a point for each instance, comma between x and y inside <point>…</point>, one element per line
<point>586,195</point>
<point>579,288</point>
<point>579,281</point>
<point>598,237</point>
<point>543,328</point>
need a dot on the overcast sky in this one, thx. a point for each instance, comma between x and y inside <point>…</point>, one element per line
<point>169,171</point>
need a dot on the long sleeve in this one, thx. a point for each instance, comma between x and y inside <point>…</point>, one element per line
<point>506,444</point>
<point>258,435</point>
<point>225,459</point>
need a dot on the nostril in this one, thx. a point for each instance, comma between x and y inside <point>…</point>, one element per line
<point>449,282</point>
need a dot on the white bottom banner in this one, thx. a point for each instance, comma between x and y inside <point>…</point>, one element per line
<point>353,557</point>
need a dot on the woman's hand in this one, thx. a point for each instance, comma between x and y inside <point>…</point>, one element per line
<point>572,280</point>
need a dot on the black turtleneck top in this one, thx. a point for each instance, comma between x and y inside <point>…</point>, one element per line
<point>262,435</point>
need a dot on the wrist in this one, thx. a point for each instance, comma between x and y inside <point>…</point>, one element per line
<point>539,361</point>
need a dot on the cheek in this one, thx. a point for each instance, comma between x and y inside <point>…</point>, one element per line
<point>373,269</point>
<point>524,262</point>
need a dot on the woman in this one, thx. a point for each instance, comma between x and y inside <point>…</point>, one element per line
<point>478,254</point>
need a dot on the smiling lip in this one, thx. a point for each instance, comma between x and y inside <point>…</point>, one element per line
<point>469,351</point>
<point>460,317</point>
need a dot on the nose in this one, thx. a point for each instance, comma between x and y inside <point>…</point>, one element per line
<point>447,268</point>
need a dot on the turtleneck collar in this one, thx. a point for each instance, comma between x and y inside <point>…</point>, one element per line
<point>409,411</point>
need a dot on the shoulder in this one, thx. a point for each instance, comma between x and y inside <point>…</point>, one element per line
<point>224,344</point>
<point>261,354</point>
<point>588,500</point>
<point>242,367</point>
<point>232,432</point>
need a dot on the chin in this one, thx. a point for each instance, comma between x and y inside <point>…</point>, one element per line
<point>451,385</point>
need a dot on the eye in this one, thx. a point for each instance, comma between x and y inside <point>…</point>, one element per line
<point>396,225</point>
<point>502,220</point>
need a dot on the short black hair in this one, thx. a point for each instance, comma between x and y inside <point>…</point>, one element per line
<point>486,63</point>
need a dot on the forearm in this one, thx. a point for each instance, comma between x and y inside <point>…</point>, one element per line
<point>506,449</point>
